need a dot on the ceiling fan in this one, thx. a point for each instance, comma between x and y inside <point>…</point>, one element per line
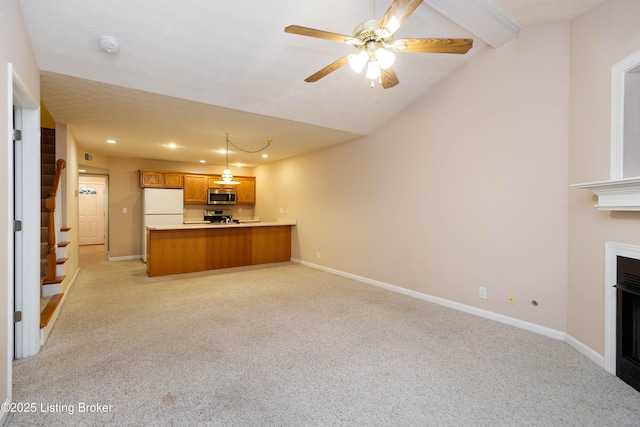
<point>374,37</point>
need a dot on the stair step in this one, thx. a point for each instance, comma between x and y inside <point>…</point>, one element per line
<point>48,169</point>
<point>48,158</point>
<point>65,228</point>
<point>63,244</point>
<point>47,313</point>
<point>61,261</point>
<point>57,279</point>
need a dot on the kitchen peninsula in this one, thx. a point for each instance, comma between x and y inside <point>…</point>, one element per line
<point>188,248</point>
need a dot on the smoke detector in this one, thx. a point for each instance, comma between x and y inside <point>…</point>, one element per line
<point>109,44</point>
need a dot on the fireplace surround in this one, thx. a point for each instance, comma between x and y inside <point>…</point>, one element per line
<point>622,353</point>
<point>628,321</point>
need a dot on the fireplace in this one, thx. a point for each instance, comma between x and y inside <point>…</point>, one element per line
<point>628,321</point>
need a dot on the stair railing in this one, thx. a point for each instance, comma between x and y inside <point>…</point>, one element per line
<point>50,205</point>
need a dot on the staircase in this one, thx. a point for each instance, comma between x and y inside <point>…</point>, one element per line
<point>47,172</point>
<point>53,241</point>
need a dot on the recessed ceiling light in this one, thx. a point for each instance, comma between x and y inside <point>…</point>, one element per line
<point>223,151</point>
<point>265,155</point>
<point>82,170</point>
<point>203,161</point>
<point>172,145</point>
<point>111,141</point>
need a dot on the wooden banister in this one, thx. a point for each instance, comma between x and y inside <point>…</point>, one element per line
<point>50,205</point>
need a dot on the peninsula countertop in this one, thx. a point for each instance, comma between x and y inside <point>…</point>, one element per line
<point>187,248</point>
<point>198,224</point>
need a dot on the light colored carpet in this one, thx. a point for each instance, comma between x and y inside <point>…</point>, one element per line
<point>288,345</point>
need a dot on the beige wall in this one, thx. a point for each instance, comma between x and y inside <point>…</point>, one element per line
<point>125,229</point>
<point>466,188</point>
<point>599,39</point>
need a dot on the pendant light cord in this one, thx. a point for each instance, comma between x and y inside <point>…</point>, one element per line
<point>268,143</point>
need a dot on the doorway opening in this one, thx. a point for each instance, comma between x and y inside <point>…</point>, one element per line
<point>92,215</point>
<point>23,206</point>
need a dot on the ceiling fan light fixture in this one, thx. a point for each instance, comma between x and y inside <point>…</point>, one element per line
<point>357,62</point>
<point>399,45</point>
<point>373,70</point>
<point>385,58</point>
<point>393,24</point>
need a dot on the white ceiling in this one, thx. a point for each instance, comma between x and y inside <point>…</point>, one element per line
<point>189,72</point>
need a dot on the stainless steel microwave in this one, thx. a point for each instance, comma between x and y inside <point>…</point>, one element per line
<point>221,196</point>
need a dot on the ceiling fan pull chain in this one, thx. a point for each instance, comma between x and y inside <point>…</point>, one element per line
<point>373,9</point>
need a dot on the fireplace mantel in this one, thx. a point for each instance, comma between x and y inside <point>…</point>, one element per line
<point>615,195</point>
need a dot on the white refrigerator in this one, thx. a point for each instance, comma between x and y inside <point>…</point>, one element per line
<point>160,206</point>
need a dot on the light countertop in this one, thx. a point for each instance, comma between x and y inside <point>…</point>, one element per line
<point>190,226</point>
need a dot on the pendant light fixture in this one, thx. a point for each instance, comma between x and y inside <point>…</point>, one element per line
<point>227,177</point>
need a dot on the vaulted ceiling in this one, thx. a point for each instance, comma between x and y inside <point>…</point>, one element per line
<point>190,72</point>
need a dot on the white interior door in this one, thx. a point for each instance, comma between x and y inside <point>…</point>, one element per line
<point>91,212</point>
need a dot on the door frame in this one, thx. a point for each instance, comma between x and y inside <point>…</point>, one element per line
<point>27,292</point>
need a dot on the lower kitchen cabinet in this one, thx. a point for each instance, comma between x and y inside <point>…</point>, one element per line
<point>189,250</point>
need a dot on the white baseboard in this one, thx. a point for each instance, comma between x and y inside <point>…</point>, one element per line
<point>532,327</point>
<point>125,258</point>
<point>588,352</point>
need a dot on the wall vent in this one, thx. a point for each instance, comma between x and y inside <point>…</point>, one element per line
<point>88,157</point>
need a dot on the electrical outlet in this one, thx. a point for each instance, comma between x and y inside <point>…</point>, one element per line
<point>511,299</point>
<point>483,293</point>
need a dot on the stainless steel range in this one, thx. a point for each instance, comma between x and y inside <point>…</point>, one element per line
<point>224,216</point>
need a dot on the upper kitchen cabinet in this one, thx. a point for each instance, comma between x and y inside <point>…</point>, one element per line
<point>245,191</point>
<point>160,179</point>
<point>195,189</point>
<point>173,180</point>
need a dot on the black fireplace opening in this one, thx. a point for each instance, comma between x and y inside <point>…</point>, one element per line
<point>628,321</point>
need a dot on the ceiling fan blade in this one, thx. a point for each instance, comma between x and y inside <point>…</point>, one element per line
<point>397,13</point>
<point>389,78</point>
<point>311,32</point>
<point>433,45</point>
<point>329,69</point>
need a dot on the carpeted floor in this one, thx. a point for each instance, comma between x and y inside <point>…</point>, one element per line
<point>288,345</point>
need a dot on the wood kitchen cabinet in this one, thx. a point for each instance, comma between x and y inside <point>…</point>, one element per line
<point>160,179</point>
<point>187,250</point>
<point>172,180</point>
<point>152,179</point>
<point>195,186</point>
<point>245,191</point>
<point>195,189</point>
